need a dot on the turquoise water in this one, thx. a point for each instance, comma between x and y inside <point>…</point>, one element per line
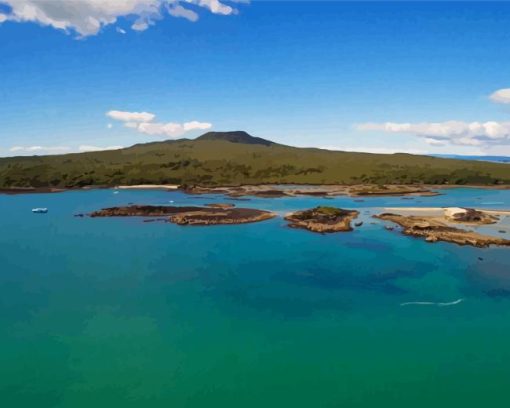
<point>121,313</point>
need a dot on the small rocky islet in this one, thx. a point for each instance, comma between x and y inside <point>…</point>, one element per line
<point>189,215</point>
<point>435,229</point>
<point>323,219</point>
<point>319,219</point>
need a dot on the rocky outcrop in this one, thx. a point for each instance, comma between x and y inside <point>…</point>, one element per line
<point>434,230</point>
<point>220,205</point>
<point>471,216</point>
<point>223,216</point>
<point>390,190</point>
<point>323,219</point>
<point>275,191</point>
<point>189,215</point>
<point>142,211</point>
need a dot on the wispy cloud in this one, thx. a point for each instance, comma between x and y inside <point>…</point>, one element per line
<point>178,11</point>
<point>378,150</point>
<point>501,96</point>
<point>451,132</point>
<point>143,123</point>
<point>486,136</point>
<point>88,17</point>
<point>39,149</point>
<point>47,150</point>
<point>130,116</point>
<point>88,148</point>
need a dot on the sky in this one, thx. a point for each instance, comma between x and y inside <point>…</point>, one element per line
<point>417,77</point>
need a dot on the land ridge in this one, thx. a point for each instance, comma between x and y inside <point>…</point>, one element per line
<point>237,158</point>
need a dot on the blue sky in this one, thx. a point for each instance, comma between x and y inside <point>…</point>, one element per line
<point>380,77</point>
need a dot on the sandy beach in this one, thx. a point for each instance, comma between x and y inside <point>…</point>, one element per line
<point>149,187</point>
<point>439,211</point>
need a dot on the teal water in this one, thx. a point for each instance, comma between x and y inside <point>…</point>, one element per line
<point>121,313</point>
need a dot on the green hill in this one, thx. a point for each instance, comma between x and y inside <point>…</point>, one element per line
<point>232,158</point>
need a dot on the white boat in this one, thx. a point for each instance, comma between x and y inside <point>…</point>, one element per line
<point>39,210</point>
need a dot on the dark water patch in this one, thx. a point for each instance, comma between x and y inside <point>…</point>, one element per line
<point>345,279</point>
<point>498,293</point>
<point>288,305</point>
<point>368,245</point>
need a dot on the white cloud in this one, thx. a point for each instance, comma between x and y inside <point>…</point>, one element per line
<point>120,30</point>
<point>179,11</point>
<point>453,132</point>
<point>141,25</point>
<point>130,116</point>
<point>194,125</point>
<point>434,142</point>
<point>170,129</point>
<point>87,148</point>
<point>143,123</point>
<point>88,17</point>
<point>109,125</point>
<point>39,149</point>
<point>501,96</point>
<point>215,6</point>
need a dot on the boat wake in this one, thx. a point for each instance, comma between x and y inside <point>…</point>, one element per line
<point>455,302</point>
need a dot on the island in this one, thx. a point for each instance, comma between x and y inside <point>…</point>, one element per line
<point>209,215</point>
<point>435,226</point>
<point>322,219</point>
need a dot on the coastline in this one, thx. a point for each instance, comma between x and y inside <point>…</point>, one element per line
<point>313,189</point>
<point>148,187</point>
<point>439,210</point>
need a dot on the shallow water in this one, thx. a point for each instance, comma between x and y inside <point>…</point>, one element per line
<point>117,312</point>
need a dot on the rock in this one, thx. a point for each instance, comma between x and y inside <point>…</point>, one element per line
<point>434,230</point>
<point>390,190</point>
<point>470,216</point>
<point>323,219</point>
<point>189,215</point>
<point>220,205</point>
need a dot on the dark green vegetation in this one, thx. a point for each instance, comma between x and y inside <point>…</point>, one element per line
<point>326,212</point>
<point>233,158</point>
<point>323,219</point>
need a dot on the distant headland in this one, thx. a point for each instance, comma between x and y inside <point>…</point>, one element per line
<point>237,158</point>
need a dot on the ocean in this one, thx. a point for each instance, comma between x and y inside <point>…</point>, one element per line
<point>115,312</point>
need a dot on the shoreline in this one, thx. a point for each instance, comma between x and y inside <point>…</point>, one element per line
<point>441,210</point>
<point>314,189</point>
<point>148,187</point>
